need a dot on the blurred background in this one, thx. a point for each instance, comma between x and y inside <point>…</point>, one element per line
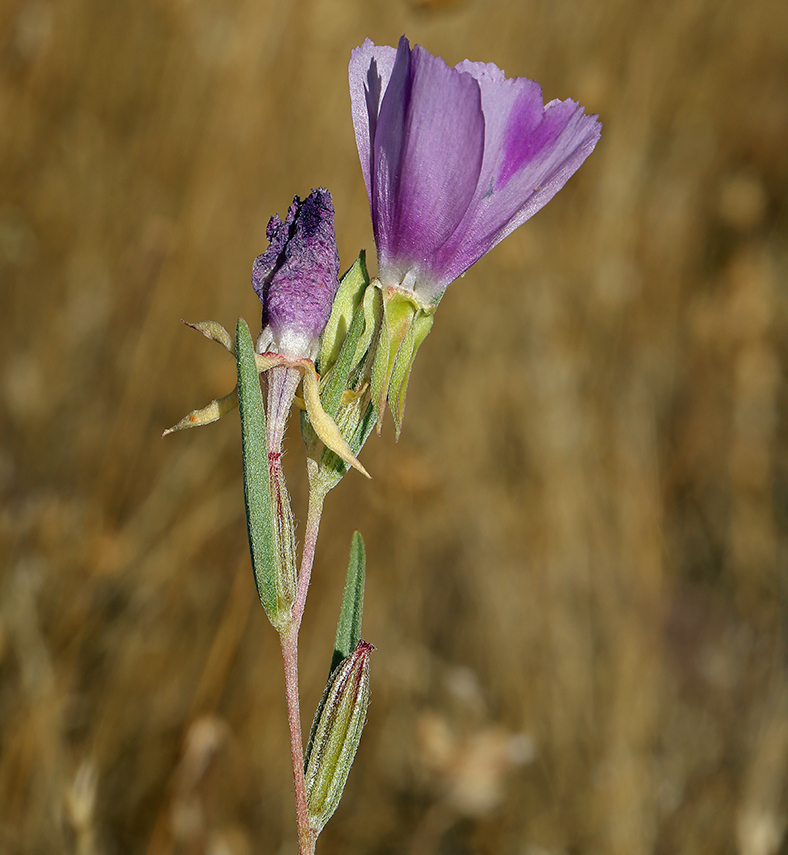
<point>577,552</point>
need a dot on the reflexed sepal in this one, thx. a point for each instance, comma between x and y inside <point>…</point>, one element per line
<point>206,415</point>
<point>337,731</point>
<point>323,426</point>
<point>220,406</point>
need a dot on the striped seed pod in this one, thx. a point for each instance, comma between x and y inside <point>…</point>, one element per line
<point>336,734</point>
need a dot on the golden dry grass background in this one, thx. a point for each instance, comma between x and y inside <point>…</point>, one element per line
<point>577,551</point>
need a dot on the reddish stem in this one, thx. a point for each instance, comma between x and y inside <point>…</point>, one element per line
<point>317,496</point>
<point>306,836</point>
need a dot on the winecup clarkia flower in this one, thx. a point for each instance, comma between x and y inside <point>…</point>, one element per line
<point>454,159</point>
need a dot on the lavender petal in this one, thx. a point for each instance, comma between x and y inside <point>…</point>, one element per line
<point>369,73</point>
<point>531,151</point>
<point>428,155</point>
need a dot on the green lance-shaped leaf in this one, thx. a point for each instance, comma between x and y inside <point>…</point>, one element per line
<point>257,485</point>
<point>337,733</point>
<point>349,624</point>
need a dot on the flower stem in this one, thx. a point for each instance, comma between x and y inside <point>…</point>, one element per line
<point>306,835</point>
<point>281,384</point>
<point>317,495</point>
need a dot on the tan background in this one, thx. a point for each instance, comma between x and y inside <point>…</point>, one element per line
<point>578,549</point>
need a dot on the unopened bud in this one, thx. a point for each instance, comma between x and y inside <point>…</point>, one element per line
<point>336,733</point>
<point>296,277</point>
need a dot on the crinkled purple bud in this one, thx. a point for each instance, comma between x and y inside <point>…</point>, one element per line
<point>454,159</point>
<point>296,277</point>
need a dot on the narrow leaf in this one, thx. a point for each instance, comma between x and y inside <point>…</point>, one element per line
<point>349,624</point>
<point>257,485</point>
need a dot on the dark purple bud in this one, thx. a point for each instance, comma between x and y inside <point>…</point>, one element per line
<point>296,277</point>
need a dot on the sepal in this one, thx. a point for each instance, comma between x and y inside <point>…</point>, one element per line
<point>405,324</point>
<point>349,295</point>
<point>219,406</point>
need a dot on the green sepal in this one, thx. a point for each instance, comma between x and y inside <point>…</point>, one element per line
<point>405,324</point>
<point>373,316</point>
<point>257,484</point>
<point>311,439</point>
<point>333,468</point>
<point>343,309</point>
<point>355,314</point>
<point>353,417</point>
<point>379,376</point>
<point>403,364</point>
<point>337,381</point>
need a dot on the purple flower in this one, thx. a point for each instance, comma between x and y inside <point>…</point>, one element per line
<point>454,159</point>
<point>296,277</point>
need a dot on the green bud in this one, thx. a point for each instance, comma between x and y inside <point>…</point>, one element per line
<point>336,733</point>
<point>348,298</point>
<point>344,386</point>
<point>366,355</point>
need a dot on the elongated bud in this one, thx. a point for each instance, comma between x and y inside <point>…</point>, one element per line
<point>296,277</point>
<point>336,733</point>
<point>348,298</point>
